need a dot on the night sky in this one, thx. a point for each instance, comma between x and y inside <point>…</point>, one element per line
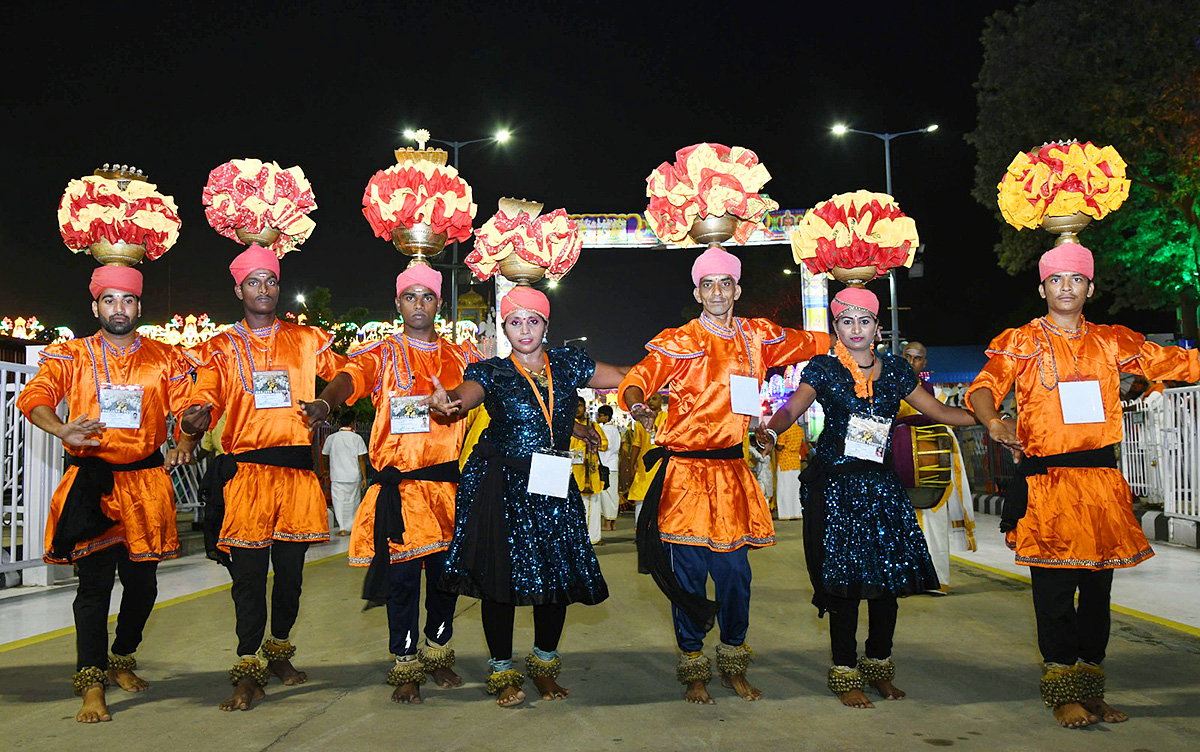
<point>596,97</point>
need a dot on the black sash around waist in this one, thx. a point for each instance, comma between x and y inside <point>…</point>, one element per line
<point>815,478</point>
<point>221,470</point>
<point>81,517</point>
<point>485,554</point>
<point>652,555</point>
<point>1016,498</point>
<point>389,521</point>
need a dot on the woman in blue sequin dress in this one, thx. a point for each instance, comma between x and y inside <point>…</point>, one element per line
<point>861,536</point>
<point>512,547</point>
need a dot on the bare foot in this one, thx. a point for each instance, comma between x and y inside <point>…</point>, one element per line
<point>1106,712</point>
<point>697,692</point>
<point>286,672</point>
<point>1074,715</point>
<point>888,691</point>
<point>126,680</point>
<point>245,694</point>
<point>342,533</point>
<point>94,709</point>
<point>550,689</point>
<point>738,683</point>
<point>407,694</point>
<point>510,697</point>
<point>855,699</point>
<point>445,677</point>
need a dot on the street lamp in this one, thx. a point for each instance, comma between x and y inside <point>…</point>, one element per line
<point>574,339</point>
<point>841,129</point>
<point>300,299</point>
<point>501,136</point>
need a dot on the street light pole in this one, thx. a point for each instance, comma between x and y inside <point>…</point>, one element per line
<point>499,137</point>
<point>839,130</point>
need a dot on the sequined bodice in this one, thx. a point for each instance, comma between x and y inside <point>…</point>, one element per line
<point>835,391</point>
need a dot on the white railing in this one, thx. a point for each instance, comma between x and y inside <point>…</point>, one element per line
<point>1141,449</point>
<point>1180,415</point>
<point>31,467</point>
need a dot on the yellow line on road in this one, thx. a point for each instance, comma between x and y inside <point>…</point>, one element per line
<point>35,639</point>
<point>1159,620</point>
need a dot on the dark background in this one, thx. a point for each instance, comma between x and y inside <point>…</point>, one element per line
<point>596,95</point>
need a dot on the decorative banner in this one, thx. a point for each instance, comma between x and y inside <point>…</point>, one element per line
<point>631,230</point>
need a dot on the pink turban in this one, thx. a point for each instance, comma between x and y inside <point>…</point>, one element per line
<point>715,260</point>
<point>523,297</point>
<point>1068,257</point>
<point>420,274</point>
<point>123,278</point>
<point>253,258</point>
<point>854,297</point>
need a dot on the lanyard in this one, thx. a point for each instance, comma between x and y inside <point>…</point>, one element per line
<point>549,389</point>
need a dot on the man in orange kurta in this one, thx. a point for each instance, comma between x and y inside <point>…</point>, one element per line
<point>257,374</point>
<point>114,511</point>
<point>1068,515</point>
<point>711,510</point>
<point>406,520</point>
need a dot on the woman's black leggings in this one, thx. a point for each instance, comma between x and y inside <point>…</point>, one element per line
<point>548,623</point>
<point>843,628</point>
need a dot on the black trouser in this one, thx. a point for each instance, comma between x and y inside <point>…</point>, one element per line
<point>1067,634</point>
<point>843,628</point>
<point>96,577</point>
<point>548,620</point>
<point>404,603</point>
<point>248,568</point>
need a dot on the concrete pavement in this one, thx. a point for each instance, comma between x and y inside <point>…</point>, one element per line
<point>968,661</point>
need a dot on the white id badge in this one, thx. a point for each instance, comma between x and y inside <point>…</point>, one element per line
<point>408,414</point>
<point>867,437</point>
<point>272,389</point>
<point>743,395</point>
<point>121,405</point>
<point>550,473</point>
<point>577,456</point>
<point>1081,402</point>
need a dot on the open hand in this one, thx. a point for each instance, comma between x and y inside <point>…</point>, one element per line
<point>182,454</point>
<point>440,401</point>
<point>1004,432</point>
<point>78,432</point>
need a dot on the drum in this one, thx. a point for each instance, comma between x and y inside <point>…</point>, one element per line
<point>924,459</point>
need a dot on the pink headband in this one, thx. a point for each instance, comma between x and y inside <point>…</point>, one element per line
<point>523,297</point>
<point>854,297</point>
<point>123,278</point>
<point>419,274</point>
<point>1068,257</point>
<point>716,261</point>
<point>253,258</point>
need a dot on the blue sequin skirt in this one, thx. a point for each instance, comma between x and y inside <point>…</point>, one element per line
<point>873,544</point>
<point>551,556</point>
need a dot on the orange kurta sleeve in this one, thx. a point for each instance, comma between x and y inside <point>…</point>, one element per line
<point>179,383</point>
<point>782,346</point>
<point>1005,354</point>
<point>329,361</point>
<point>1137,355</point>
<point>50,384</point>
<point>664,359</point>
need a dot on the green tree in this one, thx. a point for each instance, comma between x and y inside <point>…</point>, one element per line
<point>1110,72</point>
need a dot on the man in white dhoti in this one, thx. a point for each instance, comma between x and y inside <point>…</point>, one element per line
<point>610,500</point>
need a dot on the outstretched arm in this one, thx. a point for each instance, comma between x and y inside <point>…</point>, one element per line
<point>942,413</point>
<point>781,421</point>
<point>460,400</point>
<point>334,394</point>
<point>983,402</point>
<point>608,376</point>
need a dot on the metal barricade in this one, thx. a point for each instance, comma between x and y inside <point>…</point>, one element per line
<point>1181,452</point>
<point>989,465</point>
<point>1141,448</point>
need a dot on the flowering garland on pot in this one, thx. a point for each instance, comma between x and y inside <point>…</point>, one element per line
<point>854,230</point>
<point>419,191</point>
<point>707,180</point>
<point>551,241</point>
<point>1060,179</point>
<point>95,209</point>
<point>252,195</point>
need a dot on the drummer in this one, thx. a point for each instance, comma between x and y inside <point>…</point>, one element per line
<point>861,538</point>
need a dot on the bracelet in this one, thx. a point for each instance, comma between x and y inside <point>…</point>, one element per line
<point>774,436</point>
<point>995,420</point>
<point>328,407</point>
<point>636,405</point>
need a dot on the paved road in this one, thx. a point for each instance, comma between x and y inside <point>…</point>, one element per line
<point>968,661</point>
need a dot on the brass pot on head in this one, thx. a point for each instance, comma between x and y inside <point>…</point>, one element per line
<point>117,254</point>
<point>854,276</point>
<point>713,230</point>
<point>519,271</point>
<point>418,241</point>
<point>1067,227</point>
<point>264,237</point>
